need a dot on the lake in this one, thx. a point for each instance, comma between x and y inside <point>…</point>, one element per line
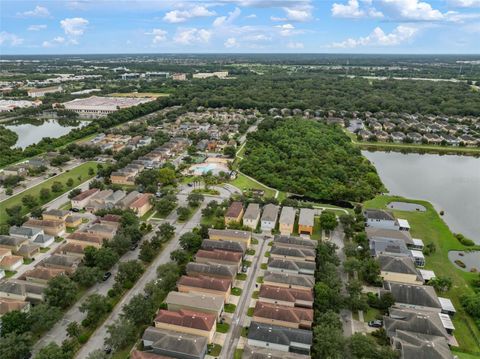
<point>451,183</point>
<point>29,133</point>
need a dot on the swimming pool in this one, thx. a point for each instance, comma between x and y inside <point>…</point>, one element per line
<point>204,168</point>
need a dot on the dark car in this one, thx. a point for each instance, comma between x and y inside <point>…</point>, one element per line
<point>74,210</point>
<point>107,349</point>
<point>190,184</point>
<point>134,246</point>
<point>107,275</point>
<point>375,323</point>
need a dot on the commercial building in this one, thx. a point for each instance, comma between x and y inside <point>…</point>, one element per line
<point>42,91</point>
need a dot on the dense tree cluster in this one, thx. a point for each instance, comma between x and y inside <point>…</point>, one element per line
<point>310,159</point>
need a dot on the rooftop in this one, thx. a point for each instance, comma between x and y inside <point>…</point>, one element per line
<point>287,216</point>
<point>186,318</point>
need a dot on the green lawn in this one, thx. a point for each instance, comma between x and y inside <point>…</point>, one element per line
<point>259,280</point>
<point>236,291</point>
<point>250,311</point>
<point>245,183</point>
<point>230,308</point>
<point>9,273</point>
<point>241,276</point>
<point>317,231</point>
<point>147,215</point>
<point>222,327</point>
<point>238,354</point>
<point>75,173</point>
<point>255,294</point>
<point>465,355</point>
<point>254,241</point>
<point>371,314</point>
<point>264,266</point>
<point>27,260</point>
<point>214,350</point>
<point>429,227</point>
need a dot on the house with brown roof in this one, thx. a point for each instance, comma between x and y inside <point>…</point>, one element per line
<point>73,221</point>
<point>52,227</point>
<point>55,215</point>
<point>205,285</point>
<point>297,281</point>
<point>10,305</point>
<point>290,317</point>
<point>211,270</point>
<point>8,261</point>
<point>234,213</point>
<point>73,249</point>
<point>286,296</point>
<point>82,199</point>
<point>67,263</point>
<point>210,304</point>
<point>102,230</point>
<point>295,254</point>
<point>254,352</point>
<point>41,274</point>
<point>230,235</point>
<point>219,257</point>
<point>187,321</point>
<point>142,204</point>
<point>252,216</point>
<point>82,238</point>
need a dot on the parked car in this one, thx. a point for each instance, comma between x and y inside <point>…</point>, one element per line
<point>375,323</point>
<point>74,210</point>
<point>107,275</point>
<point>134,246</point>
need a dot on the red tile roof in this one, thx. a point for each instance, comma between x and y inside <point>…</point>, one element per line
<point>141,200</point>
<point>282,313</point>
<point>186,318</point>
<point>86,237</point>
<point>85,194</point>
<point>234,210</point>
<point>220,255</point>
<point>111,218</point>
<point>218,284</point>
<point>285,294</point>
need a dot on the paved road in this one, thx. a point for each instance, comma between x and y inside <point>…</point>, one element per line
<point>97,339</point>
<point>231,340</point>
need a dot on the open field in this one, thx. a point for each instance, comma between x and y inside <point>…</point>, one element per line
<point>245,183</point>
<point>429,227</point>
<point>78,174</point>
<point>139,94</point>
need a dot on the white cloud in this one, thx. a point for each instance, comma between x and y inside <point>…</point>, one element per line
<point>74,26</point>
<point>295,45</point>
<point>286,29</point>
<point>159,35</point>
<point>59,40</point>
<point>251,16</point>
<point>378,37</point>
<point>411,10</point>
<point>352,10</point>
<point>301,13</point>
<point>8,38</point>
<point>257,37</point>
<point>39,11</point>
<point>225,20</point>
<point>464,3</point>
<point>36,27</point>
<point>192,35</point>
<point>176,16</point>
<point>231,42</point>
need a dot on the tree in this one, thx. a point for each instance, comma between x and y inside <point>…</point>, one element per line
<point>166,176</point>
<point>96,307</point>
<point>190,242</point>
<point>74,192</point>
<point>42,317</point>
<point>183,213</point>
<point>328,340</point>
<point>15,346</point>
<point>15,322</point>
<point>57,187</point>
<point>60,292</point>
<point>166,231</point>
<point>120,334</point>
<point>51,351</point>
<point>194,199</point>
<point>37,212</point>
<point>180,256</point>
<point>121,242</point>
<point>441,284</point>
<point>15,217</point>
<point>229,151</point>
<point>147,252</point>
<point>139,310</point>
<point>87,276</point>
<point>128,273</point>
<point>69,182</point>
<point>371,271</point>
<point>105,258</point>
<point>44,194</point>
<point>73,330</point>
<point>166,204</point>
<point>328,221</point>
<point>471,303</point>
<point>29,201</point>
<point>91,171</point>
<point>362,346</point>
<point>97,354</point>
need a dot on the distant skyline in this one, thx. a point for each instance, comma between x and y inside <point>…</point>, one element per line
<point>240,26</point>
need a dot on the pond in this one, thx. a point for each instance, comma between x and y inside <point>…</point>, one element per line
<point>466,261</point>
<point>32,132</point>
<point>451,183</point>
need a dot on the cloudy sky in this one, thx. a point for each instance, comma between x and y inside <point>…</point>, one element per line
<point>156,26</point>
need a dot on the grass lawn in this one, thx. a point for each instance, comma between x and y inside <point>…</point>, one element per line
<point>236,291</point>
<point>238,354</point>
<point>255,294</point>
<point>259,280</point>
<point>147,215</point>
<point>222,327</point>
<point>264,266</point>
<point>44,250</point>
<point>71,230</point>
<point>250,311</point>
<point>66,206</point>
<point>247,263</point>
<point>230,308</point>
<point>371,314</point>
<point>209,191</point>
<point>241,276</point>
<point>244,183</point>
<point>75,173</point>
<point>465,355</point>
<point>244,332</point>
<point>254,241</point>
<point>267,254</point>
<point>432,229</point>
<point>250,252</point>
<point>214,349</point>
<point>9,273</point>
<point>317,231</point>
<point>27,260</point>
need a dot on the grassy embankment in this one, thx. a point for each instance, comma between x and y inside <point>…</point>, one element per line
<point>432,229</point>
<point>78,174</point>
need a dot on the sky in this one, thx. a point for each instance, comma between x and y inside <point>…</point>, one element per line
<point>239,26</point>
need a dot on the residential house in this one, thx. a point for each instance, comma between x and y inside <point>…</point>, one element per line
<point>398,137</point>
<point>212,270</point>
<point>97,201</point>
<point>414,345</point>
<point>174,344</point>
<point>296,254</point>
<point>269,217</point>
<point>83,238</point>
<point>306,221</point>
<point>280,338</point>
<point>52,227</point>
<point>73,249</point>
<point>422,297</point>
<point>289,297</point>
<point>286,280</point>
<point>42,275</point>
<point>10,305</point>
<point>433,138</point>
<point>287,220</point>
<point>394,247</point>
<point>210,304</point>
<point>219,257</point>
<point>291,266</point>
<point>231,246</point>
<point>290,317</point>
<point>102,230</point>
<point>73,221</point>
<point>380,219</point>
<point>25,232</point>
<point>399,269</point>
<point>205,285</point>
<point>234,235</point>
<point>19,246</point>
<point>386,234</point>
<point>252,352</point>
<point>63,262</point>
<point>142,204</point>
<point>414,137</point>
<point>123,177</point>
<point>8,261</point>
<point>187,321</point>
<point>82,199</point>
<point>22,290</point>
<point>294,242</point>
<point>125,202</point>
<point>234,213</point>
<point>252,216</point>
<point>55,215</point>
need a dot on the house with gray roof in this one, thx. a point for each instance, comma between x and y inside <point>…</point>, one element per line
<point>296,281</point>
<point>414,321</point>
<point>413,296</point>
<point>287,220</point>
<point>306,221</point>
<point>383,233</point>
<point>280,338</point>
<point>294,242</point>
<point>394,247</point>
<point>211,270</point>
<point>210,304</point>
<point>379,219</point>
<point>25,232</point>
<point>174,344</point>
<point>231,246</point>
<point>399,269</point>
<point>253,352</point>
<point>291,266</point>
<point>414,346</point>
<point>252,216</point>
<point>298,254</point>
<point>269,217</point>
